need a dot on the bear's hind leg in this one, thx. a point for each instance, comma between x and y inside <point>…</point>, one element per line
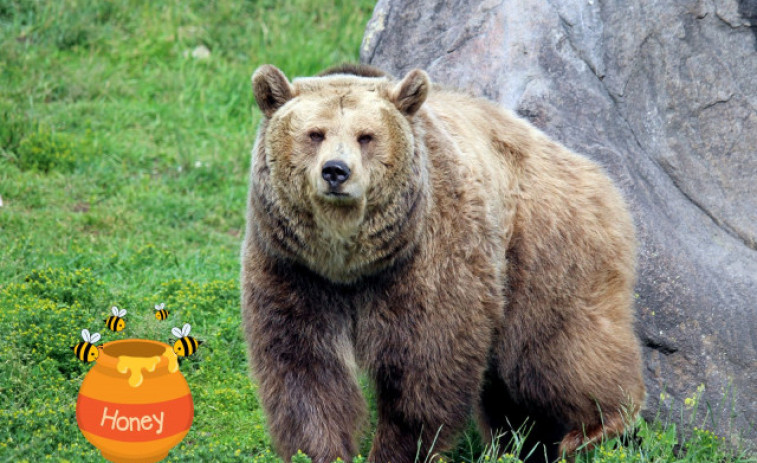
<point>613,425</point>
<point>499,415</point>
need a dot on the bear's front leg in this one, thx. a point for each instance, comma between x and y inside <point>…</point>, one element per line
<point>427,368</point>
<point>303,359</point>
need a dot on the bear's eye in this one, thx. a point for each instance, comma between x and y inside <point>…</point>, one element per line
<point>365,139</point>
<point>316,136</point>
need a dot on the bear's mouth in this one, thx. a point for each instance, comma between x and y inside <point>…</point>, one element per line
<point>338,198</point>
<point>338,202</point>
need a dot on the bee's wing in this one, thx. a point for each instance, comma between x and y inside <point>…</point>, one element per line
<point>162,306</point>
<point>122,312</point>
<point>114,310</point>
<point>95,337</point>
<point>185,329</point>
<point>176,332</point>
<point>85,335</point>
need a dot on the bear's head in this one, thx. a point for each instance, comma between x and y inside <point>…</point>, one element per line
<point>337,165</point>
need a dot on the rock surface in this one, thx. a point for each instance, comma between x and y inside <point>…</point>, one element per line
<point>664,95</point>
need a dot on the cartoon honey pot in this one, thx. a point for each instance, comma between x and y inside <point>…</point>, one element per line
<point>134,405</point>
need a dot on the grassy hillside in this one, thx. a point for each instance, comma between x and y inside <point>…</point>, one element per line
<point>125,131</point>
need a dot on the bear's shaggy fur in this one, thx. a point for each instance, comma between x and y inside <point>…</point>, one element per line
<point>453,252</point>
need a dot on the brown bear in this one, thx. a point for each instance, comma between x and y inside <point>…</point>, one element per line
<point>447,248</point>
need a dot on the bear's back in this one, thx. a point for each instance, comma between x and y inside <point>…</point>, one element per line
<point>557,211</point>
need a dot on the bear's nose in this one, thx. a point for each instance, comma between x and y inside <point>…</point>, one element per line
<point>335,173</point>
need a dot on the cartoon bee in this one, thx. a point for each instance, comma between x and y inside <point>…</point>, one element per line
<point>186,345</point>
<point>116,322</point>
<point>160,312</point>
<point>86,351</point>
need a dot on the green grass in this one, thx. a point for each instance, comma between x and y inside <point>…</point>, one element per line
<point>123,177</point>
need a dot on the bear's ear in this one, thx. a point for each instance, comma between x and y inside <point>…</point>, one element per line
<point>411,92</point>
<point>271,89</point>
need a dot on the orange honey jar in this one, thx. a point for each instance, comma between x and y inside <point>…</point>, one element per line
<point>134,405</point>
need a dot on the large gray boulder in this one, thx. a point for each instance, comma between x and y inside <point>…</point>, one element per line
<point>664,95</point>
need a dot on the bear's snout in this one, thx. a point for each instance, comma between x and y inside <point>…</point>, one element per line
<point>335,172</point>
